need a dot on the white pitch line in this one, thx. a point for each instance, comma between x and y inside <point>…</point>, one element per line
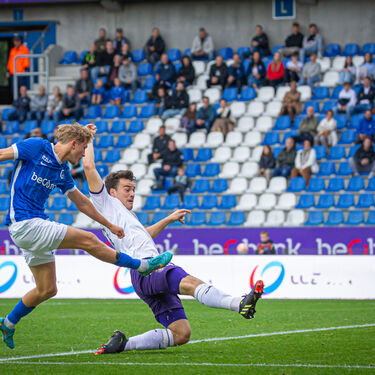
<point>2,360</point>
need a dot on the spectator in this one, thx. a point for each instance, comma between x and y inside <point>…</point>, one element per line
<point>285,159</point>
<point>21,106</point>
<point>292,102</point>
<point>348,72</point>
<point>259,42</point>
<point>186,74</point>
<point>266,163</point>
<point>305,162</point>
<point>311,72</point>
<point>100,43</point>
<point>119,40</point>
<point>236,74</point>
<point>84,86</point>
<point>154,47</point>
<point>293,69</point>
<point>36,133</point>
<point>172,158</point>
<point>275,71</point>
<point>346,102</point>
<point>308,127</point>
<point>223,122</point>
<point>205,116</point>
<point>89,61</point>
<point>188,119</point>
<point>180,183</point>
<point>114,71</point>
<point>38,106</point>
<point>71,107</point>
<point>104,61</point>
<point>159,146</point>
<point>22,63</point>
<point>98,92</point>
<point>364,159</point>
<point>128,74</point>
<point>53,138</point>
<point>77,171</point>
<point>366,127</point>
<point>256,71</point>
<point>367,69</point>
<point>125,51</point>
<point>218,73</point>
<point>203,46</point>
<point>54,105</point>
<point>293,42</point>
<point>265,247</point>
<point>117,93</point>
<point>177,103</point>
<point>312,43</point>
<point>165,74</point>
<point>160,101</point>
<point>366,97</point>
<point>327,131</point>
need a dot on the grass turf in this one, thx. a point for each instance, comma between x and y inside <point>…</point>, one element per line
<point>65,325</point>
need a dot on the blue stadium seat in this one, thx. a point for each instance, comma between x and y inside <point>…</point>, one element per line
<point>296,185</point>
<point>244,49</point>
<point>144,69</point>
<point>246,65</point>
<point>203,154</point>
<point>48,126</point>
<point>371,184</point>
<point>335,184</point>
<point>341,121</point>
<point>351,49</point>
<point>171,202</point>
<point>174,54</point>
<point>355,218</point>
<point>365,200</point>
<point>313,104</point>
<point>321,93</point>
<point>6,112</point>
<point>149,83</point>
<point>73,207</point>
<point>152,203</point>
<point>353,150</point>
<point>370,218</point>
<point>289,134</point>
<point>226,53</point>
<point>228,202</point>
<point>147,111</point>
<point>197,218</point>
<point>208,202</point>
<point>306,201</point>
<point>66,218</point>
<point>158,216</point>
<point>236,218</point>
<point>11,127</point>
<point>326,201</point>
<point>355,120</point>
<point>332,50</point>
<point>193,170</point>
<point>329,104</point>
<point>216,218</point>
<point>326,168</point>
<point>344,169</point>
<point>129,111</point>
<point>3,187</point>
<point>356,184</point>
<point>368,48</point>
<point>345,201</point>
<point>69,57</point>
<point>316,184</point>
<point>93,112</point>
<point>111,111</point>
<point>123,141</point>
<point>138,55</point>
<point>3,142</point>
<point>211,170</point>
<point>51,216</point>
<point>58,203</point>
<point>271,138</point>
<point>102,169</point>
<point>282,123</point>
<point>140,97</point>
<point>315,218</point>
<point>187,51</point>
<point>190,201</point>
<point>247,94</point>
<point>357,89</point>
<point>112,156</point>
<point>28,126</point>
<point>105,141</point>
<point>16,139</point>
<point>336,92</point>
<point>118,126</point>
<point>101,126</point>
<point>135,126</point>
<point>85,188</point>
<point>4,203</point>
<point>188,154</point>
<point>276,151</point>
<point>98,155</point>
<point>201,186</point>
<point>143,217</point>
<point>230,94</point>
<point>335,218</point>
<point>347,137</point>
<point>336,153</point>
<point>219,185</point>
<point>82,56</point>
<point>275,49</point>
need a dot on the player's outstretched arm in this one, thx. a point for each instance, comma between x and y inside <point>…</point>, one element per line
<point>84,205</point>
<point>6,154</point>
<point>156,229</point>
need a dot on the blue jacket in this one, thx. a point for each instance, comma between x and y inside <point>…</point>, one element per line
<point>366,127</point>
<point>117,92</point>
<point>207,115</point>
<point>237,73</point>
<point>166,72</point>
<point>261,69</point>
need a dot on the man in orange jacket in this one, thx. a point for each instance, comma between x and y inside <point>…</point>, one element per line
<point>21,64</point>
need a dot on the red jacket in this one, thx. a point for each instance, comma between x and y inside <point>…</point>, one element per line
<point>275,74</point>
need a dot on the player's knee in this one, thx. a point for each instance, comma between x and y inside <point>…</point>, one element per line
<point>89,241</point>
<point>182,337</point>
<point>49,292</point>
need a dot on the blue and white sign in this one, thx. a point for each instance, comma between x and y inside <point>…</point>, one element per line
<point>284,9</point>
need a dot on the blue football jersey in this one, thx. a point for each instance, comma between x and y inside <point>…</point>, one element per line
<point>37,172</point>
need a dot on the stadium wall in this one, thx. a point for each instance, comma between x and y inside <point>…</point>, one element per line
<point>231,23</point>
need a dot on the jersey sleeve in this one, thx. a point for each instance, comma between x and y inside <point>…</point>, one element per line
<point>101,200</point>
<point>28,149</point>
<point>69,184</point>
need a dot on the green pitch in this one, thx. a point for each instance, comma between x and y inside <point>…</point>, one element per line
<point>60,326</point>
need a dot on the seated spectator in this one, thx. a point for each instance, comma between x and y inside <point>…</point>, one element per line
<point>21,106</point>
<point>38,105</point>
<point>180,183</point>
<point>119,40</point>
<point>54,105</point>
<point>159,146</point>
<point>305,162</point>
<point>89,61</point>
<point>348,72</point>
<point>203,46</point>
<point>84,87</point>
<point>172,158</point>
<point>187,121</point>
<point>256,71</point>
<point>71,107</point>
<point>161,97</point>
<point>98,92</point>
<point>275,71</point>
<point>346,102</point>
<point>100,43</point>
<point>312,43</point>
<point>364,159</point>
<point>293,69</point>
<point>154,47</point>
<point>292,102</point>
<point>366,97</point>
<point>117,93</point>
<point>218,73</point>
<point>125,51</point>
<point>223,122</point>
<point>186,74</point>
<point>265,247</point>
<point>285,159</point>
<point>308,128</point>
<point>53,138</point>
<point>36,133</point>
<point>366,127</point>
<point>205,116</point>
<point>165,74</point>
<point>77,171</point>
<point>177,103</point>
<point>266,163</point>
<point>367,69</point>
<point>327,131</point>
<point>311,72</point>
<point>104,61</point>
<point>236,74</point>
<point>113,71</point>
<point>293,42</point>
<point>259,42</point>
<point>128,74</point>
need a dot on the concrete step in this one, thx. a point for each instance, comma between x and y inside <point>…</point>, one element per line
<point>68,71</point>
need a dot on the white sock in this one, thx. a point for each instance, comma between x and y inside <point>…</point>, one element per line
<point>9,324</point>
<point>212,297</point>
<point>155,339</point>
<point>144,265</point>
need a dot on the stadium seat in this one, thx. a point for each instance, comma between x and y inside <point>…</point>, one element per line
<point>171,202</point>
<point>247,202</point>
<point>188,154</point>
<point>255,109</point>
<point>203,155</point>
<point>320,152</point>
<point>277,185</point>
<point>275,218</point>
<point>243,50</point>
<point>48,126</point>
<point>345,201</point>
<point>112,156</point>
<point>370,218</point>
<point>226,53</point>
<point>230,94</point>
<point>237,186</point>
<point>227,202</point>
<point>28,126</point>
<point>335,218</point>
<point>58,203</point>
<point>353,150</point>
<point>144,69</point>
<point>213,94</point>
<point>252,139</point>
<point>216,218</point>
<point>306,201</point>
<point>289,134</point>
<point>341,121</point>
<point>356,184</point>
<point>355,218</point>
<point>295,218</point>
<point>332,50</point>
<point>266,201</point>
<point>236,218</point>
<point>105,141</point>
<point>197,140</point>
<point>4,203</point>
<point>327,168</point>
<point>208,202</point>
<point>201,186</point>
<point>195,95</point>
<point>142,141</point>
<point>174,54</point>
<point>16,139</point>
<point>326,201</point>
<point>11,127</point>
<point>101,126</point>
<point>241,154</point>
<point>211,170</point>
<point>158,216</point>
<point>144,186</point>
<point>347,137</point>
<point>368,48</point>
<point>219,185</point>
<point>152,203</point>
<point>247,94</point>
<point>190,202</point>
<point>135,126</point>
<point>229,170</point>
<point>336,153</point>
<point>222,154</point>
<point>271,138</point>
<point>257,185</point>
<point>69,57</point>
<point>147,111</point>
<point>130,155</point>
<point>6,112</point>
<point>143,217</point>
<point>111,112</point>
<point>255,218</point>
<point>336,92</point>
<point>118,126</point>
<point>315,218</point>
<point>102,169</point>
<point>266,94</point>
<point>371,184</point>
<point>3,187</point>
<point>140,97</point>
<point>351,49</point>
<point>329,105</point>
<point>305,92</point>
<point>245,124</point>
<point>330,79</point>
<point>296,185</point>
<point>286,201</point>
<point>197,218</point>
<point>344,169</point>
<point>314,104</point>
<point>365,200</point>
<point>93,112</point>
<point>214,139</point>
<point>138,55</point>
<point>335,184</point>
<point>264,124</point>
<point>129,112</point>
<point>66,218</point>
<point>233,139</point>
<point>321,93</point>
<point>282,123</point>
<point>193,169</point>
<point>249,169</point>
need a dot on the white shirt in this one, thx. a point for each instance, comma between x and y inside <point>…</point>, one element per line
<point>350,94</point>
<point>137,242</point>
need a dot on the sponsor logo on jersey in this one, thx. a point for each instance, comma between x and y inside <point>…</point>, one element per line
<point>62,174</point>
<point>43,181</point>
<point>45,159</point>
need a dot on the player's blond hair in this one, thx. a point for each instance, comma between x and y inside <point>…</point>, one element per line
<point>67,133</point>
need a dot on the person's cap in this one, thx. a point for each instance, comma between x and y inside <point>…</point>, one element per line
<point>119,30</point>
<point>16,37</point>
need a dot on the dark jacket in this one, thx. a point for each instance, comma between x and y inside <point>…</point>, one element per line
<point>22,104</point>
<point>267,248</point>
<point>294,40</point>
<point>84,85</point>
<point>236,72</point>
<point>160,145</point>
<point>158,43</point>
<point>71,102</point>
<point>173,158</point>
<point>188,72</point>
<point>207,114</point>
<point>179,100</point>
<point>369,96</point>
<point>286,158</point>
<point>219,71</point>
<point>167,72</point>
<point>263,42</point>
<point>117,44</point>
<point>261,69</point>
<point>105,58</point>
<point>361,154</point>
<point>267,161</point>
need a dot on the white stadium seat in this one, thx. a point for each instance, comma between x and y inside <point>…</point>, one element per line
<point>208,66</point>
<point>358,60</point>
<point>305,92</point>
<point>139,170</point>
<point>277,185</point>
<point>338,63</point>
<point>172,125</point>
<point>252,139</point>
<point>141,141</point>
<point>264,124</point>
<point>197,140</point>
<point>195,95</point>
<point>233,139</point>
<point>137,203</point>
<point>255,109</point>
<point>118,167</point>
<point>295,218</point>
<point>153,125</point>
<point>275,218</point>
<point>256,154</point>
<point>249,169</point>
<point>130,156</point>
<point>331,79</point>
<point>266,202</point>
<point>180,139</point>
<point>214,139</point>
<point>202,81</point>
<point>265,94</point>
<point>247,202</point>
<point>245,124</point>
<point>222,154</point>
<point>258,185</point>
<point>144,156</point>
<point>230,170</point>
<point>273,108</point>
<point>199,67</point>
<point>325,64</point>
<point>144,186</point>
<point>82,221</point>
<point>281,91</point>
<point>237,109</point>
<point>213,93</point>
<point>237,186</point>
<point>241,154</point>
<point>150,171</point>
<point>286,201</point>
<point>255,218</point>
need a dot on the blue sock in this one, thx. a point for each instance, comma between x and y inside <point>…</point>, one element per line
<point>127,261</point>
<point>19,311</point>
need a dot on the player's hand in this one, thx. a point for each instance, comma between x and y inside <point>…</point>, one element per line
<point>118,231</point>
<point>178,215</point>
<point>92,127</point>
